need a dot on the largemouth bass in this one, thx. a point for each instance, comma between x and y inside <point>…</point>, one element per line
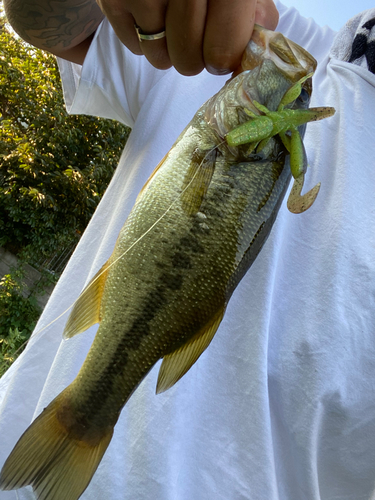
<point>197,226</point>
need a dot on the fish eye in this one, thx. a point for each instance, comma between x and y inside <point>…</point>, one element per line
<point>304,96</point>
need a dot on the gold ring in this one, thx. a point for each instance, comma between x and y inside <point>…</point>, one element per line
<point>142,36</point>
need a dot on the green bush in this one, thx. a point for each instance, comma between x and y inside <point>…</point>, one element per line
<point>10,347</point>
<point>17,311</point>
<point>18,316</point>
<point>54,168</point>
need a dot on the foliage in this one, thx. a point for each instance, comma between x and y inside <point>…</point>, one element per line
<point>17,311</point>
<point>10,348</point>
<point>18,315</point>
<point>54,168</point>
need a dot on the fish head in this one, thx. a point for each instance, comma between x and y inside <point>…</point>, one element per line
<point>273,64</point>
<point>289,57</point>
<point>270,66</point>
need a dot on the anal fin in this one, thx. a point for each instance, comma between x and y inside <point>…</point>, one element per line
<point>177,363</point>
<point>86,310</point>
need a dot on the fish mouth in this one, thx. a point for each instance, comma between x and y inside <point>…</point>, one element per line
<point>291,60</point>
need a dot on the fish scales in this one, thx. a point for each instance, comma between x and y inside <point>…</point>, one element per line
<point>157,321</point>
<point>196,227</point>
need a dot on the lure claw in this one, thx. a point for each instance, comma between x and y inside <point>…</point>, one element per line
<point>297,203</point>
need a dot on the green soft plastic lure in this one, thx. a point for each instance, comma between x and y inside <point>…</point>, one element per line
<point>284,122</point>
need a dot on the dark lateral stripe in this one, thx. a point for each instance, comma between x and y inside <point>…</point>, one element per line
<point>170,279</point>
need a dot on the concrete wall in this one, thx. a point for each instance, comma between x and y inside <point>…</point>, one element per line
<point>32,276</point>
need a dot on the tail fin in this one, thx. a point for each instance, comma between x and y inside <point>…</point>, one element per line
<point>57,466</point>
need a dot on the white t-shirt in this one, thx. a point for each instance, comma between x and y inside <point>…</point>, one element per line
<point>281,406</point>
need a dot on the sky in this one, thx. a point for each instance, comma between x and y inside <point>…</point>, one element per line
<point>334,13</point>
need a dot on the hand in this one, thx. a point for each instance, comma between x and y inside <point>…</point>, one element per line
<point>200,34</point>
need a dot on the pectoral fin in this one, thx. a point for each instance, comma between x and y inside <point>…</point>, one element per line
<point>86,311</point>
<point>197,180</point>
<point>176,364</point>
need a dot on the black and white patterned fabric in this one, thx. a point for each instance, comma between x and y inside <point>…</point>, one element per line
<point>355,42</point>
<point>363,48</point>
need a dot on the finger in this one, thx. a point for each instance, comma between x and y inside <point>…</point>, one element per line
<point>266,14</point>
<point>122,22</point>
<point>151,20</point>
<point>185,24</point>
<point>228,29</point>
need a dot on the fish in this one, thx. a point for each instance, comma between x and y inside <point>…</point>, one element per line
<point>196,227</point>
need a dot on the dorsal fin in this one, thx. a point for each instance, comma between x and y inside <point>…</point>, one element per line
<point>86,311</point>
<point>177,363</point>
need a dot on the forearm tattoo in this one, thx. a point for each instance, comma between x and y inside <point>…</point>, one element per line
<point>56,24</point>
